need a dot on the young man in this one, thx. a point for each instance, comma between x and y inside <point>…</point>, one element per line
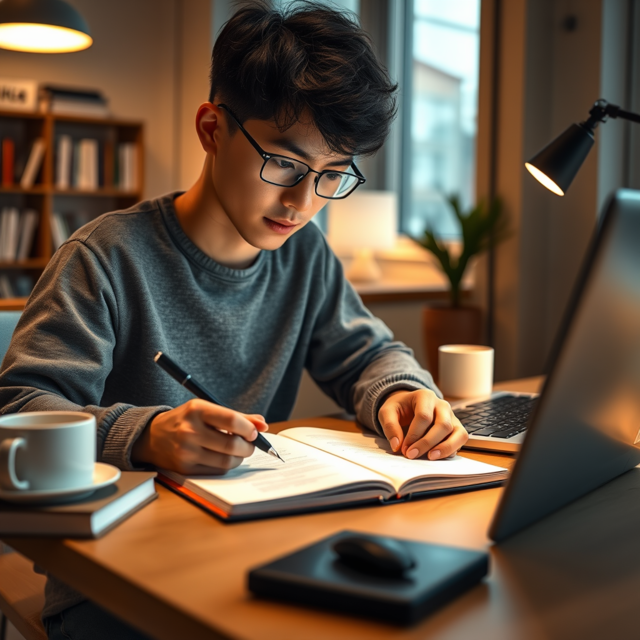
<point>230,280</point>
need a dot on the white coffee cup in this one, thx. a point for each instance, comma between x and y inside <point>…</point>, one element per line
<point>466,370</point>
<point>47,450</point>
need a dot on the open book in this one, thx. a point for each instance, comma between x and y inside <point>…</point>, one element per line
<point>325,469</point>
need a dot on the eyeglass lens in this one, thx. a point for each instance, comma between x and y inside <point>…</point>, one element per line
<point>286,172</point>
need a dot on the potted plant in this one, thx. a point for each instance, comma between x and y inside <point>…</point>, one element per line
<point>454,323</point>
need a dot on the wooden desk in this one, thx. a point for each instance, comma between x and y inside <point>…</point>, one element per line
<point>177,572</point>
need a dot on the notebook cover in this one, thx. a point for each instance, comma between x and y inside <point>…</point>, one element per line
<point>315,576</point>
<point>73,518</point>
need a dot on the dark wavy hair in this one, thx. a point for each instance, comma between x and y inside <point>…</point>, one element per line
<point>305,59</point>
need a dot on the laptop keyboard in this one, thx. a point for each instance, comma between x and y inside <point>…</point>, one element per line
<point>501,417</point>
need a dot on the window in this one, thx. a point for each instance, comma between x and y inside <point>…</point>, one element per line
<point>439,153</point>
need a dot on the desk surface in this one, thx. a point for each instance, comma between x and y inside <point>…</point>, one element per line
<point>176,572</point>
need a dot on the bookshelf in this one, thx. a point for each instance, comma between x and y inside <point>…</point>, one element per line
<point>77,204</point>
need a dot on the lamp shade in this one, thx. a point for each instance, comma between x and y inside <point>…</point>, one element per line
<point>364,220</point>
<point>557,164</point>
<point>42,26</point>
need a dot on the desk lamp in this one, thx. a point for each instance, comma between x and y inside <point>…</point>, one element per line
<point>556,165</point>
<point>42,26</point>
<point>361,223</point>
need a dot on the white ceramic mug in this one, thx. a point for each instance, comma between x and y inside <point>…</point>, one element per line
<point>466,370</point>
<point>47,450</point>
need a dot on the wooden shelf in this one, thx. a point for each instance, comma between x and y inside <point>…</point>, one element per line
<point>46,198</point>
<point>106,122</point>
<point>31,263</point>
<point>64,117</point>
<point>41,190</point>
<point>30,115</point>
<point>104,192</point>
<point>12,304</point>
<point>38,190</point>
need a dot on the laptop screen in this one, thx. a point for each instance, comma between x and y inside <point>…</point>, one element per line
<point>585,429</point>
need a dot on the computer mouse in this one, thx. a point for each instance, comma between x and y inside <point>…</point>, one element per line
<point>374,554</point>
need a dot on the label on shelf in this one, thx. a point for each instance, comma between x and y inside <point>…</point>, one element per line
<point>18,95</point>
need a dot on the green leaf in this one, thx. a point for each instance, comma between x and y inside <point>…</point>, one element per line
<point>480,226</point>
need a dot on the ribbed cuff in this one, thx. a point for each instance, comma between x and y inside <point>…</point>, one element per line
<point>377,393</point>
<point>123,434</point>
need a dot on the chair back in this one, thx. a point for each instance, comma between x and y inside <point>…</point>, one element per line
<point>8,322</point>
<point>21,589</point>
<point>21,597</point>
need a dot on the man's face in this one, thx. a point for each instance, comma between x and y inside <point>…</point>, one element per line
<point>266,215</point>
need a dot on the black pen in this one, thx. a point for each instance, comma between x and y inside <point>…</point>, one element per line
<point>198,390</point>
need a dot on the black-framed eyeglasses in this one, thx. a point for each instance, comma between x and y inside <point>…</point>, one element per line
<point>288,172</point>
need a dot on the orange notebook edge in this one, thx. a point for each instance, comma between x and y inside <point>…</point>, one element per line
<point>190,495</point>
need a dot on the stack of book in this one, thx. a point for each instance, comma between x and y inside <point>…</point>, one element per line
<point>78,164</point>
<point>73,101</point>
<point>90,517</point>
<point>17,230</point>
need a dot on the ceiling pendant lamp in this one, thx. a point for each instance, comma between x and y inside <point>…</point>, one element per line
<point>42,26</point>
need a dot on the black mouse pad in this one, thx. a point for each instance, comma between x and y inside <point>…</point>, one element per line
<point>315,576</point>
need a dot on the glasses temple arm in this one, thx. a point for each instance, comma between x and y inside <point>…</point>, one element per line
<point>254,144</point>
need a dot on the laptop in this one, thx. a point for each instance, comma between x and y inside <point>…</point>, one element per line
<point>497,422</point>
<point>584,428</point>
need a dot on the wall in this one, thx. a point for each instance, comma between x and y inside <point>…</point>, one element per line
<point>548,77</point>
<point>191,85</point>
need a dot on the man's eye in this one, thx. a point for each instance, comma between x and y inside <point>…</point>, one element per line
<point>284,164</point>
<point>333,176</point>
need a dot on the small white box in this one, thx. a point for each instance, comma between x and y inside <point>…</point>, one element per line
<point>18,95</point>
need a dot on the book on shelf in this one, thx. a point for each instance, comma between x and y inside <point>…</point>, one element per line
<point>33,164</point>
<point>87,518</point>
<point>16,285</point>
<point>17,231</point>
<point>73,101</point>
<point>26,233</point>
<point>127,166</point>
<point>326,469</point>
<point>64,151</point>
<point>85,164</point>
<point>60,231</point>
<point>6,290</point>
<point>9,222</point>
<point>8,162</point>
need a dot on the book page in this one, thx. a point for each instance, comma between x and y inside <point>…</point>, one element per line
<point>374,452</point>
<point>261,477</point>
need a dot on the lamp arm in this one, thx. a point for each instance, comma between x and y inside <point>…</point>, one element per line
<point>602,110</point>
<point>617,112</point>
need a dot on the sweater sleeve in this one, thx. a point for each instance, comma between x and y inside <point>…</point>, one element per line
<point>61,352</point>
<point>353,357</point>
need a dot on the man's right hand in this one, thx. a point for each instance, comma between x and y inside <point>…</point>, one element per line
<point>198,438</point>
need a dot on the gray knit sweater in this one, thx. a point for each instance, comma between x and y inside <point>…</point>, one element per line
<point>131,283</point>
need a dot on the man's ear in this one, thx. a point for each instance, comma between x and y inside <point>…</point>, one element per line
<point>207,126</point>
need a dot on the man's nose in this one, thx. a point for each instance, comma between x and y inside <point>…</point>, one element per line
<point>300,196</point>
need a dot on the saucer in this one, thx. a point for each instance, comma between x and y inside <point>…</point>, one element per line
<point>103,475</point>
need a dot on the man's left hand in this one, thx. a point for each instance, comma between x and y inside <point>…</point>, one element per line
<point>418,423</point>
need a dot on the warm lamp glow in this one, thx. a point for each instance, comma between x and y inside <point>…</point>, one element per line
<point>544,179</point>
<point>42,38</point>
